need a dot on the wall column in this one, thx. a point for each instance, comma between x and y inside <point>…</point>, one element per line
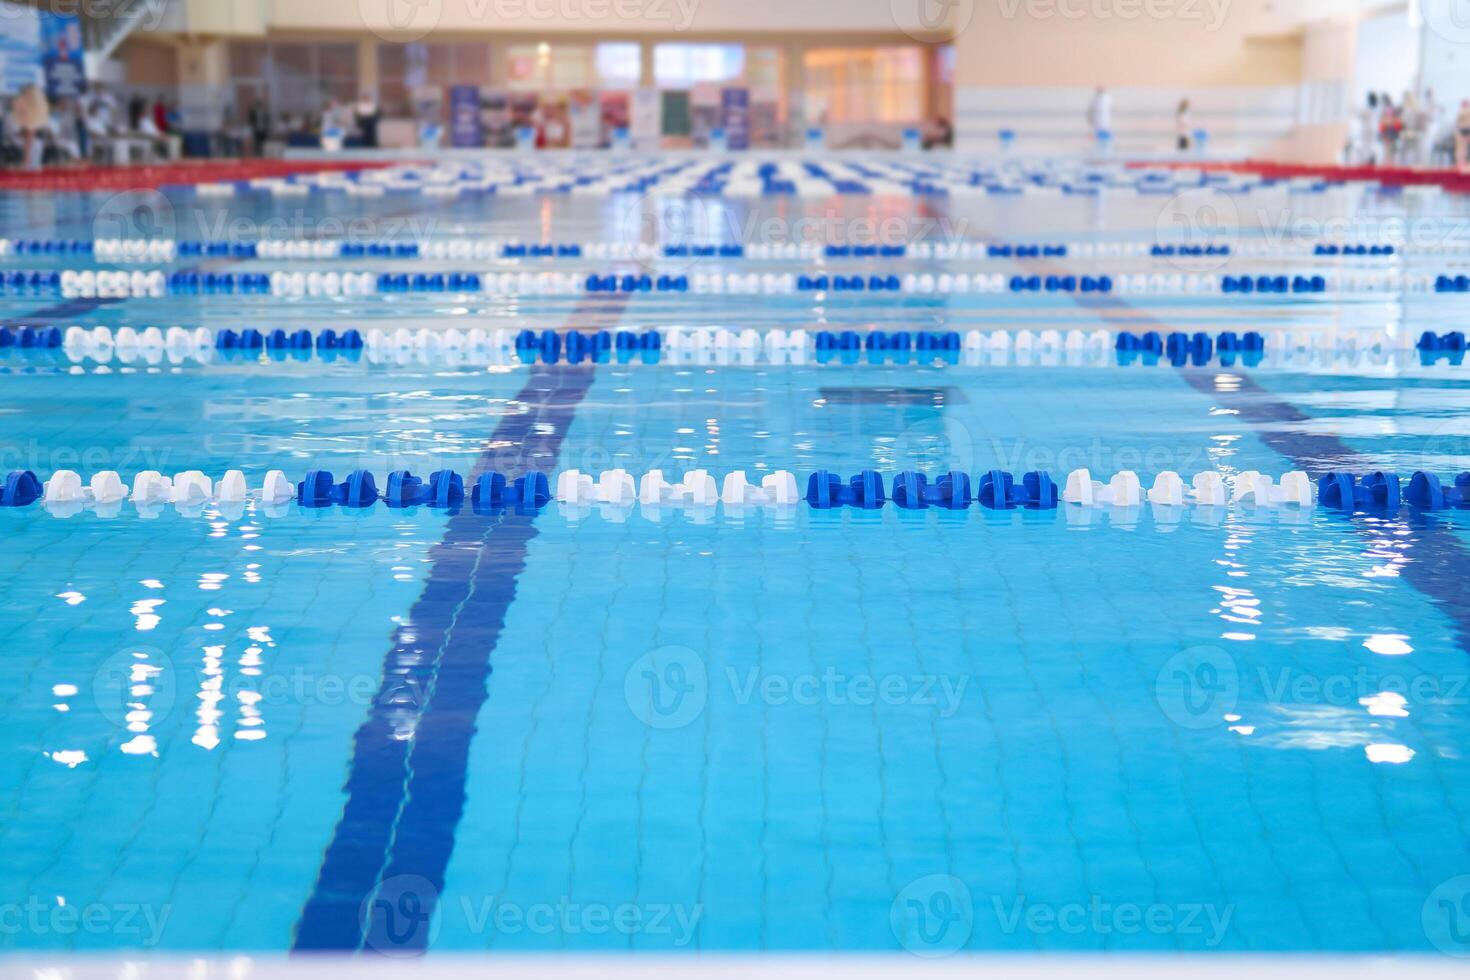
<point>204,83</point>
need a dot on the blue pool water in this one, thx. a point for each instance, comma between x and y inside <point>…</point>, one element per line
<point>846,730</point>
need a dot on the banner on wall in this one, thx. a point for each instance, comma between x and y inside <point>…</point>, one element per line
<point>765,118</point>
<point>646,120</point>
<point>735,103</point>
<point>617,118</point>
<point>37,47</point>
<point>61,56</point>
<point>585,118</point>
<point>495,118</point>
<point>465,127</point>
<point>556,122</point>
<point>676,120</point>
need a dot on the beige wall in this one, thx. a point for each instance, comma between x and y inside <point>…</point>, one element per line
<point>601,16</point>
<point>149,63</point>
<point>1216,47</point>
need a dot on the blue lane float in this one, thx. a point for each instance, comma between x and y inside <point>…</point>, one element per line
<point>998,490</point>
<point>1426,492</point>
<point>1344,491</point>
<point>1434,347</point>
<point>31,338</point>
<point>21,489</point>
<point>913,491</point>
<point>445,489</point>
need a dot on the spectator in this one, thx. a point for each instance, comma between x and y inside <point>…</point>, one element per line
<point>160,116</point>
<point>137,109</point>
<point>31,114</point>
<point>941,135</point>
<point>1363,143</point>
<point>259,120</point>
<point>1390,127</point>
<point>368,115</point>
<point>1462,136</point>
<point>1181,125</point>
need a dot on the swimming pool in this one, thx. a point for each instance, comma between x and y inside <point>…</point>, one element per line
<point>597,727</point>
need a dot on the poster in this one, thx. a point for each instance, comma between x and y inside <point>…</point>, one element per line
<point>556,125</point>
<point>765,118</point>
<point>650,118</point>
<point>495,119</point>
<point>617,117</point>
<point>706,113</point>
<point>586,119</point>
<point>735,117</point>
<point>677,124</point>
<point>61,56</point>
<point>465,127</point>
<point>38,46</point>
<point>523,111</point>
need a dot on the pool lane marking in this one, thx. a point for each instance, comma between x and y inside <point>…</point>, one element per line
<point>71,309</point>
<point>406,783</point>
<point>83,306</point>
<point>1437,563</point>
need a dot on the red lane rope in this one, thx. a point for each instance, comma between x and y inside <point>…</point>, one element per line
<point>151,177</point>
<point>1449,179</point>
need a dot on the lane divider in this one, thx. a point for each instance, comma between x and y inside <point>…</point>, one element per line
<point>753,176</point>
<point>65,493</point>
<point>720,345</point>
<point>88,283</point>
<point>307,249</point>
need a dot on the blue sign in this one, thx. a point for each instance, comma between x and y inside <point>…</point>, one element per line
<point>465,126</point>
<point>736,105</point>
<point>61,56</point>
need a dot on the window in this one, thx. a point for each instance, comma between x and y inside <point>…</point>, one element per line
<point>402,68</point>
<point>619,64</point>
<point>295,78</point>
<point>529,67</point>
<point>551,67</point>
<point>865,85</point>
<point>686,65</point>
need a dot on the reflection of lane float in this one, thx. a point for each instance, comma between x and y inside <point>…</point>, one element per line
<point>697,489</point>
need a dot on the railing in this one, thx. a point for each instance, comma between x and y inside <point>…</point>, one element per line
<point>106,25</point>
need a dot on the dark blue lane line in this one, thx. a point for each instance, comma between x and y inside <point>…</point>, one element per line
<point>384,869</point>
<point>69,311</point>
<point>65,312</point>
<point>1437,560</point>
